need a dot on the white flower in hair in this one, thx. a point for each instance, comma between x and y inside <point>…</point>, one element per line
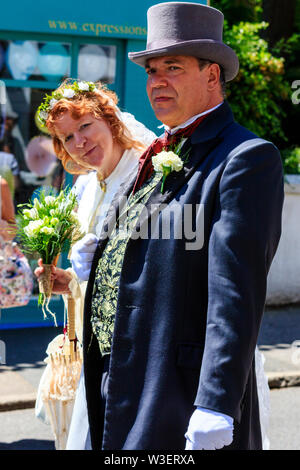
<point>52,103</point>
<point>68,93</point>
<point>43,115</point>
<point>83,86</point>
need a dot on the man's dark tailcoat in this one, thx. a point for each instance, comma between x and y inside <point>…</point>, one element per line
<point>187,319</point>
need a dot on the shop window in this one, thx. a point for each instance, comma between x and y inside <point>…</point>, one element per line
<point>32,60</point>
<point>97,62</point>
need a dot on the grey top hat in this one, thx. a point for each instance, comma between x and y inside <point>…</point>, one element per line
<point>181,28</point>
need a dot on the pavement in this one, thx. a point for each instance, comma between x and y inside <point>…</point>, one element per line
<point>22,354</point>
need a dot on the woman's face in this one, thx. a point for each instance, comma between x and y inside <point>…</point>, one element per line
<point>89,142</point>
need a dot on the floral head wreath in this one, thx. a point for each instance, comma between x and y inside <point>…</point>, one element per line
<point>68,91</point>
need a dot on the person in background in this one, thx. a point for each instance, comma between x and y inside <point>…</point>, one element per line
<point>10,142</point>
<point>9,168</point>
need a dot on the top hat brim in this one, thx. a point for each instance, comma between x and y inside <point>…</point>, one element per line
<point>207,49</point>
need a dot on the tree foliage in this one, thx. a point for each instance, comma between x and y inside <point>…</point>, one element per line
<point>261,93</point>
<point>257,93</point>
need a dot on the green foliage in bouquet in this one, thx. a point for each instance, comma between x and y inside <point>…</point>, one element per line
<point>49,225</point>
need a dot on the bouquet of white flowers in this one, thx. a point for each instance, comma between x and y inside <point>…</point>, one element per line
<point>48,226</point>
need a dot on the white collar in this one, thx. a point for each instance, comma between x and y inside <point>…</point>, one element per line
<point>189,121</point>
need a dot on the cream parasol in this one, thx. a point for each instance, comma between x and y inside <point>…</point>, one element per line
<point>60,379</point>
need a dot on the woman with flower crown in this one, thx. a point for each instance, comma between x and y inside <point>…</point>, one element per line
<point>93,138</point>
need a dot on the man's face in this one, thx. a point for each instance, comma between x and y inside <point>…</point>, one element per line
<point>177,88</point>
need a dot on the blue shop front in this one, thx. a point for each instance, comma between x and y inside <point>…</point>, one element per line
<point>41,44</point>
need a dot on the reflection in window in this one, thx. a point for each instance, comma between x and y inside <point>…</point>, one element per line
<point>97,62</point>
<point>31,60</point>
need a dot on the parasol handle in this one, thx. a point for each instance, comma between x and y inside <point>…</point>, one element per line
<point>71,324</point>
<point>71,318</point>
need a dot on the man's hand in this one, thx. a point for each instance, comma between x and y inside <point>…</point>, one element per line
<point>208,430</point>
<point>60,277</point>
<point>82,255</point>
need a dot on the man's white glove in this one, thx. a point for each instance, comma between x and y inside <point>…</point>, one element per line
<point>208,430</point>
<point>82,255</point>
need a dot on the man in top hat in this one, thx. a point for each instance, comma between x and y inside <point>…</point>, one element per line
<point>171,323</point>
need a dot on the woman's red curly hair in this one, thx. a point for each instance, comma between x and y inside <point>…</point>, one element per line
<point>103,106</point>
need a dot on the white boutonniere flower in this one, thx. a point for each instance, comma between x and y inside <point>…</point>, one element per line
<point>68,93</point>
<point>166,162</point>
